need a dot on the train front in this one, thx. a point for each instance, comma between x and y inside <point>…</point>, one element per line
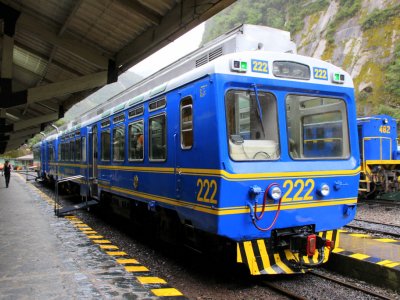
<point>292,175</point>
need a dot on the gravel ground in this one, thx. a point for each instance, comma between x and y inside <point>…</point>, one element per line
<point>385,214</point>
<point>200,276</point>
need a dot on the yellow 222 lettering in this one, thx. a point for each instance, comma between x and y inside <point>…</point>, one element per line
<point>207,191</point>
<point>295,190</point>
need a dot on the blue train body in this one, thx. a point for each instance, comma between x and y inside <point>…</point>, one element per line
<point>226,150</point>
<point>379,155</point>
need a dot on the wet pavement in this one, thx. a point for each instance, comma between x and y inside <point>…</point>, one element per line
<point>46,257</point>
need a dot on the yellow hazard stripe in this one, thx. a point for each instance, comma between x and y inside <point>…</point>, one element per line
<point>166,292</point>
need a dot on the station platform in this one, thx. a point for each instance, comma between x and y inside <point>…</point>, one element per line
<point>46,257</point>
<point>374,260</point>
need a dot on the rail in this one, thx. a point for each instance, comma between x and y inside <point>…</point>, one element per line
<point>57,198</point>
<point>30,174</point>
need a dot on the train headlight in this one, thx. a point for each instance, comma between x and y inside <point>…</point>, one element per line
<point>323,190</point>
<point>275,193</point>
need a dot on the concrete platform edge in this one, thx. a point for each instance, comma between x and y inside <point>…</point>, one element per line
<point>363,270</point>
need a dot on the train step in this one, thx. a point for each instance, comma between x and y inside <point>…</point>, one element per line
<point>65,210</point>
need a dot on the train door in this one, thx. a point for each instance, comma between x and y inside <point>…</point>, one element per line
<point>184,137</point>
<point>93,172</point>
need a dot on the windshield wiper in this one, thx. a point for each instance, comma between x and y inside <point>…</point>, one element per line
<point>259,111</point>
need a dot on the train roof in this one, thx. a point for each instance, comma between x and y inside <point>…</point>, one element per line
<point>217,58</point>
<point>222,65</point>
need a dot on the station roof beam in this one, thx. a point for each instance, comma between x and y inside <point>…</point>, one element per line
<point>56,53</point>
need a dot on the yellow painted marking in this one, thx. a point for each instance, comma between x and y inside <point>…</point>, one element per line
<point>89,232</point>
<point>116,253</point>
<point>251,260</point>
<point>95,236</point>
<point>166,292</point>
<point>359,256</point>
<point>384,262</point>
<point>230,176</point>
<point>233,210</point>
<point>386,240</point>
<point>150,280</point>
<point>392,265</point>
<point>109,247</point>
<point>329,236</point>
<point>239,258</point>
<point>81,225</point>
<point>85,229</point>
<point>136,269</point>
<point>281,264</point>
<point>306,259</point>
<point>289,255</point>
<point>360,235</point>
<point>76,221</point>
<point>264,257</point>
<point>338,250</point>
<point>127,261</point>
<point>101,241</point>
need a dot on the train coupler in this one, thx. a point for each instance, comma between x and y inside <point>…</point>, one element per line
<point>301,254</point>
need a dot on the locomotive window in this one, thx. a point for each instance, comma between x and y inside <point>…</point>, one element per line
<point>105,145</point>
<point>119,143</point>
<point>187,123</point>
<point>317,127</point>
<point>252,125</point>
<point>83,143</point>
<point>158,138</point>
<point>136,140</point>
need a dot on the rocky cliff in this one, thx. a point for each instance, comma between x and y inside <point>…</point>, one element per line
<point>361,36</point>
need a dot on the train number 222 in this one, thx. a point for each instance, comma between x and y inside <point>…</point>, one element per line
<point>295,190</point>
<point>207,191</point>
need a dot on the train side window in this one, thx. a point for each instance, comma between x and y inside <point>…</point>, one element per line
<point>105,145</point>
<point>83,143</point>
<point>136,140</point>
<point>186,123</point>
<point>67,151</point>
<point>158,138</point>
<point>78,149</point>
<point>119,143</point>
<point>51,154</point>
<point>71,150</point>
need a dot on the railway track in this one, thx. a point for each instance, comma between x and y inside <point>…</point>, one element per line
<point>376,227</point>
<point>293,293</point>
<point>348,285</point>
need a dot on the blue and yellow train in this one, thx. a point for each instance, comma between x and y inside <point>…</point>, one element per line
<point>228,154</point>
<point>380,164</point>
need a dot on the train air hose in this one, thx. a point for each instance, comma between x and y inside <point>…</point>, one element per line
<point>255,217</point>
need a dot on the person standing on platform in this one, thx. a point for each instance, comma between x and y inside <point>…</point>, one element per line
<point>7,172</point>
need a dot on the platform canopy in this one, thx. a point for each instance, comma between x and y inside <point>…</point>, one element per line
<point>54,53</point>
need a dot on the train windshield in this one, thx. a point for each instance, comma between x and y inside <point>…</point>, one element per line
<point>252,125</point>
<point>317,127</point>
